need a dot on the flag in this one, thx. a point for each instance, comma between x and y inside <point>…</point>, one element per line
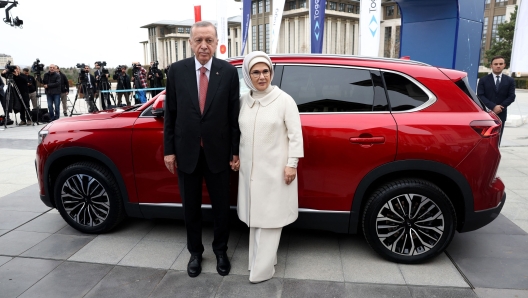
<point>317,18</point>
<point>246,20</point>
<point>221,28</point>
<point>276,19</point>
<point>197,13</point>
<point>519,59</point>
<point>369,27</point>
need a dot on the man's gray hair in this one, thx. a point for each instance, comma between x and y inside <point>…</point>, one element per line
<point>203,24</point>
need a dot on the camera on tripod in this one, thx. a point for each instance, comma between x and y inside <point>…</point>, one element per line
<point>119,68</point>
<point>10,68</point>
<point>37,67</point>
<point>135,68</point>
<point>103,69</point>
<point>154,65</point>
<point>82,73</point>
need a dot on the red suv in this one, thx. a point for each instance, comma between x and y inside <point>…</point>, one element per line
<point>402,150</point>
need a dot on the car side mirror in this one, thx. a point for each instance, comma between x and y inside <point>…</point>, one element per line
<point>158,107</point>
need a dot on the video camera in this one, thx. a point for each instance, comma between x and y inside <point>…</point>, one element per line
<point>154,66</point>
<point>37,67</point>
<point>135,68</point>
<point>166,70</point>
<point>119,68</point>
<point>10,68</point>
<point>82,73</point>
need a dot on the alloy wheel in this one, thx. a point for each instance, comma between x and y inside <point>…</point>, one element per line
<point>410,224</point>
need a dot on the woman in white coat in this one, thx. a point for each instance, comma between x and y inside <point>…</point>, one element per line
<point>271,144</point>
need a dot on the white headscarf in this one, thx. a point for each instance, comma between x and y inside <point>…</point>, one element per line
<point>252,59</point>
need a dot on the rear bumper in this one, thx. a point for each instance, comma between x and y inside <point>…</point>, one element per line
<point>478,219</point>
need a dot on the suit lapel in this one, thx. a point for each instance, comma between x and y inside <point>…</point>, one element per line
<point>215,77</point>
<point>191,82</point>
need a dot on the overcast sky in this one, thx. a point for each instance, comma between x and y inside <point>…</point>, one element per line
<point>66,32</point>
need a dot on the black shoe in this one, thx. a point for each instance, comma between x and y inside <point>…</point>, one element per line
<point>194,268</point>
<point>222,264</point>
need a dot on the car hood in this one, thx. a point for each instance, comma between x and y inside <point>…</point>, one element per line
<point>100,115</point>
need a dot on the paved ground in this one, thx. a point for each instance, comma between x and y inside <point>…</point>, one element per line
<point>40,256</point>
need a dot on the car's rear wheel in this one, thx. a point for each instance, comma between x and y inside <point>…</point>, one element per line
<point>88,198</point>
<point>409,221</point>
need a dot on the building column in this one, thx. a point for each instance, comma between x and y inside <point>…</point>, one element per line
<point>348,37</point>
<point>307,34</point>
<point>339,41</point>
<point>328,35</point>
<point>232,42</point>
<point>355,47</point>
<point>287,36</point>
<point>296,36</point>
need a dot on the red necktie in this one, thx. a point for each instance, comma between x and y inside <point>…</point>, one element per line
<point>204,82</point>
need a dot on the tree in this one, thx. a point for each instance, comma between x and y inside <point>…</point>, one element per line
<point>503,46</point>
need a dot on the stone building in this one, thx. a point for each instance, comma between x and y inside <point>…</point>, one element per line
<point>4,59</point>
<point>167,40</point>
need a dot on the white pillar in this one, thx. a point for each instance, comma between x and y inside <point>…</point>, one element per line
<point>287,36</point>
<point>296,36</point>
<point>328,35</point>
<point>308,41</point>
<point>356,38</point>
<point>348,38</point>
<point>339,41</point>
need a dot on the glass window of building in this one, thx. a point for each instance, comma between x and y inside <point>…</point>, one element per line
<point>501,2</point>
<point>253,7</point>
<point>387,43</point>
<point>495,27</point>
<point>267,5</point>
<point>254,38</point>
<point>389,10</point>
<point>329,89</point>
<point>350,8</point>
<point>484,35</point>
<point>302,3</point>
<point>180,30</point>
<point>341,6</point>
<point>162,31</point>
<point>260,7</point>
<point>176,49</point>
<point>261,38</point>
<point>184,48</point>
<point>188,30</point>
<point>267,39</point>
<point>292,5</point>
<point>332,5</point>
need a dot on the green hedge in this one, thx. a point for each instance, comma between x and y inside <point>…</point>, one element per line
<point>482,74</point>
<point>521,83</point>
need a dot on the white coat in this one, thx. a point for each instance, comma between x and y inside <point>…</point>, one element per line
<point>271,132</point>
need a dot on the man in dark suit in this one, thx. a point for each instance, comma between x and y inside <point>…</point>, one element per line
<point>89,85</point>
<point>496,90</point>
<point>201,139</point>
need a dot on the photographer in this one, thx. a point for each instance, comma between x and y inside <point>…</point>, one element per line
<point>155,77</point>
<point>52,85</point>
<point>3,102</point>
<point>139,77</point>
<point>123,83</point>
<point>65,89</point>
<point>88,85</point>
<point>21,82</point>
<point>101,80</point>
<point>32,87</point>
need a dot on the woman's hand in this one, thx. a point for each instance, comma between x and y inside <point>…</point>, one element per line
<point>289,174</point>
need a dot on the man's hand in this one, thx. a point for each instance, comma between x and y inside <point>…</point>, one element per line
<point>170,163</point>
<point>235,163</point>
<point>46,86</point>
<point>289,175</point>
<point>498,109</point>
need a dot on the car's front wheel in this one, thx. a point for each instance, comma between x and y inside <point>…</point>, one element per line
<point>88,197</point>
<point>409,221</point>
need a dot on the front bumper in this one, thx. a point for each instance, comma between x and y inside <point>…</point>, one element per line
<point>478,219</point>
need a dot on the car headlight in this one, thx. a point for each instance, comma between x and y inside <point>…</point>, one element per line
<point>41,135</point>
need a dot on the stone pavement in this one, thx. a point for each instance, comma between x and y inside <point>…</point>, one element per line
<point>41,256</point>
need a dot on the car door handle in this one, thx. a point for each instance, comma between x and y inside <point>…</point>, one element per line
<point>367,140</point>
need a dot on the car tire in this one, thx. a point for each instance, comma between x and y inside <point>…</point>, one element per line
<point>409,221</point>
<point>88,198</point>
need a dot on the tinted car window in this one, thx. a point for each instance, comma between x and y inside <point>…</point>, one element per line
<point>403,94</point>
<point>463,84</point>
<point>328,89</point>
<point>243,87</point>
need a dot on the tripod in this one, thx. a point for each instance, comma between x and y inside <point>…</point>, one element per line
<point>38,79</point>
<point>88,96</point>
<point>105,96</point>
<point>12,87</point>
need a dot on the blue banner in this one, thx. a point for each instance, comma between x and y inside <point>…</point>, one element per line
<point>317,17</point>
<point>246,18</point>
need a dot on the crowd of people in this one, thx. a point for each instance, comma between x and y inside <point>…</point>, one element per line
<point>57,87</point>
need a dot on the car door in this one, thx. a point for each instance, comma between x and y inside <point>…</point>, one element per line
<point>347,131</point>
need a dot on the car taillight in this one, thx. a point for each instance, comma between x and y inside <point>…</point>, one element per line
<point>486,128</point>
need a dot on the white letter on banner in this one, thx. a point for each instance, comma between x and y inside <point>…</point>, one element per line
<point>278,8</point>
<point>221,27</point>
<point>519,59</point>
<point>369,27</point>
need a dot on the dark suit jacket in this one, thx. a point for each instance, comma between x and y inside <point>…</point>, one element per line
<point>184,124</point>
<point>504,96</point>
<point>2,88</point>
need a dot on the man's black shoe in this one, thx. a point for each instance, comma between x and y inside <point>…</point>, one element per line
<point>222,264</point>
<point>194,268</point>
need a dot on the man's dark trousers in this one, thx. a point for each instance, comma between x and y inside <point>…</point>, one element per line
<point>190,190</point>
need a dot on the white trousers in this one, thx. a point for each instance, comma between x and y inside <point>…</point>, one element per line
<point>263,246</point>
